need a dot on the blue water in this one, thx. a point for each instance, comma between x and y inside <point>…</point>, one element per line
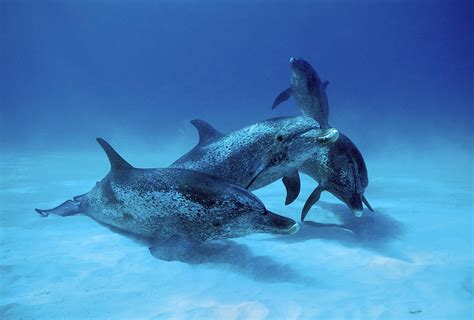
<point>136,72</point>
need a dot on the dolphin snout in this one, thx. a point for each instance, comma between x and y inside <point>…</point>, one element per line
<point>329,135</point>
<point>292,59</point>
<point>322,136</point>
<point>357,212</point>
<point>279,224</point>
<point>294,229</point>
<point>355,204</point>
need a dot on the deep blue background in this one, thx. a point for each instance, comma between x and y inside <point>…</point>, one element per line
<point>74,70</point>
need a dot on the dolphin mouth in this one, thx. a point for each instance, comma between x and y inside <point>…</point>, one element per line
<point>294,229</point>
<point>330,135</point>
<point>357,212</point>
<point>327,136</point>
<point>276,224</point>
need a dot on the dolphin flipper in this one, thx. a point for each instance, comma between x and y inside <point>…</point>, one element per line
<point>67,208</point>
<point>283,96</point>
<point>292,185</point>
<point>367,204</point>
<point>312,199</point>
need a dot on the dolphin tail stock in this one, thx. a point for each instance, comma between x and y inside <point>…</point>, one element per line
<point>312,199</point>
<point>67,208</point>
<point>282,97</point>
<point>367,204</point>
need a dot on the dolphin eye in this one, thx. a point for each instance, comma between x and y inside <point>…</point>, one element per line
<point>265,213</point>
<point>280,137</point>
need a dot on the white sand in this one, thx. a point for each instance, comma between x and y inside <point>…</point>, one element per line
<point>412,259</point>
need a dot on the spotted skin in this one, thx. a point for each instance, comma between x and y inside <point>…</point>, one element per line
<point>259,154</point>
<point>163,203</point>
<point>338,168</point>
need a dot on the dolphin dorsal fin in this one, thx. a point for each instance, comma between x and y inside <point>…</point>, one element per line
<point>116,161</point>
<point>206,131</point>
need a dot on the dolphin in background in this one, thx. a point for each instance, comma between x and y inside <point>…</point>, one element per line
<point>308,91</point>
<point>338,168</point>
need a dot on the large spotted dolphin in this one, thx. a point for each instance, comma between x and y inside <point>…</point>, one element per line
<point>339,168</point>
<point>259,154</point>
<point>169,203</point>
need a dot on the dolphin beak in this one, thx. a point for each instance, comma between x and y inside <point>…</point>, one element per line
<point>329,135</point>
<point>294,229</point>
<point>357,212</point>
<point>292,59</point>
<point>274,223</point>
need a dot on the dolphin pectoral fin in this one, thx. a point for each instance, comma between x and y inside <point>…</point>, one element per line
<point>312,199</point>
<point>283,96</point>
<point>367,204</point>
<point>258,172</point>
<point>292,185</point>
<point>67,208</point>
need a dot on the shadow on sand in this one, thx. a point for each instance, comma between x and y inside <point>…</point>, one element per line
<point>226,254</point>
<point>373,231</point>
<point>233,256</point>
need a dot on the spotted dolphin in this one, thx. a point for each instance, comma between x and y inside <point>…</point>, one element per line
<point>308,91</point>
<point>169,203</point>
<point>259,154</point>
<point>339,168</point>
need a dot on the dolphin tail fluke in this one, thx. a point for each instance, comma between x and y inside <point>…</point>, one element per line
<point>67,208</point>
<point>367,204</point>
<point>312,199</point>
<point>282,97</point>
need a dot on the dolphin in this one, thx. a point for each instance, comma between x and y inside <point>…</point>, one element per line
<point>259,154</point>
<point>171,203</point>
<point>339,168</point>
<point>308,91</point>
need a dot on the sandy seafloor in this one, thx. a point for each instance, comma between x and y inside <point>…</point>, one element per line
<point>411,259</point>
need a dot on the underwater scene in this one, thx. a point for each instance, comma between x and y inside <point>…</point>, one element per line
<point>236,159</point>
